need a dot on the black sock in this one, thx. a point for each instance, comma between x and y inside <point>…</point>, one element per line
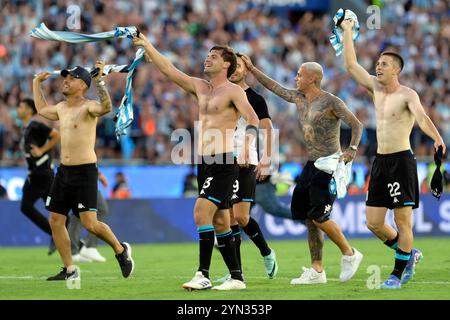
<point>392,243</point>
<point>254,233</point>
<point>401,259</point>
<point>206,245</point>
<point>226,245</point>
<point>236,231</point>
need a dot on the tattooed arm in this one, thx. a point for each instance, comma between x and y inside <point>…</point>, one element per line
<point>98,109</point>
<point>287,94</point>
<point>343,113</point>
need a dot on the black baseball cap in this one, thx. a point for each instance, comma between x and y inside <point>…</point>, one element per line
<point>79,73</point>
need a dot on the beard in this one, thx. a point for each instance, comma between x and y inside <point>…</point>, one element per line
<point>236,79</point>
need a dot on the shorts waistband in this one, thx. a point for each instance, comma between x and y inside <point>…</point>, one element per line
<point>220,158</point>
<point>395,154</point>
<point>79,166</point>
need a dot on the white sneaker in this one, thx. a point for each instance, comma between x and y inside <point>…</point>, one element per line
<point>79,258</point>
<point>310,276</point>
<point>349,265</point>
<point>92,253</point>
<point>198,282</point>
<point>231,284</point>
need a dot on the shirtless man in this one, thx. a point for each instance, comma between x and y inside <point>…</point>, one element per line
<point>220,105</point>
<point>75,185</point>
<point>393,179</point>
<point>245,186</point>
<point>320,115</point>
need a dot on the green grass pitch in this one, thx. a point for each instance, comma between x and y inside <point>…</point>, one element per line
<point>161,269</point>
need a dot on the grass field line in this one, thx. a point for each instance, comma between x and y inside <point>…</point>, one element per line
<point>14,277</point>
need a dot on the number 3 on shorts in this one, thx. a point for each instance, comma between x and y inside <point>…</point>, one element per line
<point>207,182</point>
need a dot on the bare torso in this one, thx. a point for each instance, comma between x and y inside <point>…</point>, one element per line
<point>78,132</point>
<point>218,118</point>
<point>319,125</point>
<point>394,120</point>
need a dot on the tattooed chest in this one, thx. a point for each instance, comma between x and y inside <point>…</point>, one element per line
<point>320,130</point>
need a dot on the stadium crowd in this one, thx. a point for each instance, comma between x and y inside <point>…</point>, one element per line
<point>185,30</point>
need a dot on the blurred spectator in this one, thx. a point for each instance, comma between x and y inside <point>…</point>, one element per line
<point>120,189</point>
<point>190,186</point>
<point>185,30</point>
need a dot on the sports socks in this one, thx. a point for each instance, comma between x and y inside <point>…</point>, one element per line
<point>236,231</point>
<point>226,245</point>
<point>253,231</point>
<point>401,259</point>
<point>392,243</point>
<point>206,245</point>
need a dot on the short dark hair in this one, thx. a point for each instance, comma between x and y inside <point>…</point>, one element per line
<point>228,55</point>
<point>30,103</point>
<point>396,57</point>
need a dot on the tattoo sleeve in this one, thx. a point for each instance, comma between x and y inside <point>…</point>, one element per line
<point>275,87</point>
<point>315,241</point>
<point>343,113</point>
<point>105,100</point>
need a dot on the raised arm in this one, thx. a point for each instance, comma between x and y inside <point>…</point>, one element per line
<point>423,120</point>
<point>287,94</point>
<point>343,113</point>
<point>351,63</point>
<point>98,109</point>
<point>165,66</point>
<point>43,108</point>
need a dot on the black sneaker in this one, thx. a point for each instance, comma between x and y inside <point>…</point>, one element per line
<point>125,260</point>
<point>51,247</point>
<point>64,275</point>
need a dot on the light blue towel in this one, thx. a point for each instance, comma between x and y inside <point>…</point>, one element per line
<point>124,115</point>
<point>44,33</point>
<point>337,38</point>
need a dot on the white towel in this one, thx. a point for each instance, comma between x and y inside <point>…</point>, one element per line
<point>342,173</point>
<point>338,34</point>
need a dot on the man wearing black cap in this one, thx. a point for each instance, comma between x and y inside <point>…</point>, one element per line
<point>75,184</point>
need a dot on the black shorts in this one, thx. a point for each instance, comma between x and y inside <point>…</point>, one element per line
<point>74,188</point>
<point>313,197</point>
<point>37,185</point>
<point>215,178</point>
<point>393,181</point>
<point>245,185</point>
